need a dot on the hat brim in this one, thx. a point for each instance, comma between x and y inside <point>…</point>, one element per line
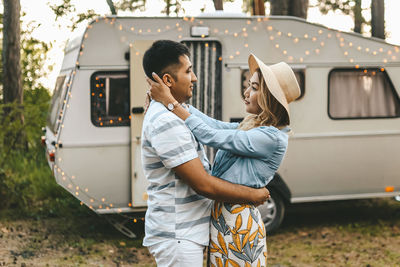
<point>270,79</point>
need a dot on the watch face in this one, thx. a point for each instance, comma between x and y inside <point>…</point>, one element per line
<point>170,106</point>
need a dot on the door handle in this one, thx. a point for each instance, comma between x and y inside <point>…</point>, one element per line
<point>137,110</point>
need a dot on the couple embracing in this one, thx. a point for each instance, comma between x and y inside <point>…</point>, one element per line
<point>192,205</point>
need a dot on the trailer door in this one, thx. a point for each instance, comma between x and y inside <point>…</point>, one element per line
<point>206,57</point>
<point>138,87</point>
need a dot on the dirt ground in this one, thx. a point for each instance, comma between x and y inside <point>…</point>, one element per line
<point>347,233</point>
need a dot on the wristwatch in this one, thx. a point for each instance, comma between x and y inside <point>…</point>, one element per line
<point>171,106</point>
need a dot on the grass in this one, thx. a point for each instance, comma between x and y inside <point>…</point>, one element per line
<point>346,233</point>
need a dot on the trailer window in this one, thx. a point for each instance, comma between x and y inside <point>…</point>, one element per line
<point>362,94</point>
<point>110,98</point>
<point>56,103</point>
<point>299,73</point>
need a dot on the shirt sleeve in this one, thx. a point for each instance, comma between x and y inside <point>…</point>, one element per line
<point>257,142</point>
<point>172,141</point>
<point>212,122</point>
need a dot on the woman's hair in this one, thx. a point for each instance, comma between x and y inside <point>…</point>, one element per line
<point>272,114</point>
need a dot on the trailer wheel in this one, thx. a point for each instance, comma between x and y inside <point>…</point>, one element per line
<point>272,211</point>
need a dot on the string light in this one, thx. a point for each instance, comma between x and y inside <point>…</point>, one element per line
<point>275,34</point>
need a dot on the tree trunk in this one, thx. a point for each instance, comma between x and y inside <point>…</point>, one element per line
<point>112,7</point>
<point>258,8</point>
<point>219,4</point>
<point>299,8</point>
<point>11,56</point>
<point>167,9</point>
<point>378,18</point>
<point>279,7</point>
<point>358,18</point>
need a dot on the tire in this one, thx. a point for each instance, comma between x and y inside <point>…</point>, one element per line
<point>272,211</point>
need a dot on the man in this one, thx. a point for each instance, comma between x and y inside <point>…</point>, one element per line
<point>175,164</point>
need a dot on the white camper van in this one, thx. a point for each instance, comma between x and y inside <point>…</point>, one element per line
<point>346,124</point>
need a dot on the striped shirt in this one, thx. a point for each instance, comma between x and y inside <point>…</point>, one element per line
<point>175,211</point>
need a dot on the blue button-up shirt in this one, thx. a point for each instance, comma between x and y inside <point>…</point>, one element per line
<point>249,157</point>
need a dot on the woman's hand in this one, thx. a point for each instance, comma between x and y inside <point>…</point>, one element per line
<point>159,91</point>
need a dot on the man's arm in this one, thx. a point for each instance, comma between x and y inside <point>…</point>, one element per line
<point>193,173</point>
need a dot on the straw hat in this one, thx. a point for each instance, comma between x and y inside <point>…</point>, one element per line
<point>280,79</point>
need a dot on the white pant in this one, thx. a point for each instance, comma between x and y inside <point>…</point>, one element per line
<point>178,253</point>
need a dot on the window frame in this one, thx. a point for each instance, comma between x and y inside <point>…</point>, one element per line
<point>360,69</point>
<point>302,85</point>
<point>60,105</point>
<point>93,76</point>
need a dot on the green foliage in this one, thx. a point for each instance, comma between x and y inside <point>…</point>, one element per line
<point>33,57</point>
<point>27,186</point>
<point>130,5</point>
<point>332,5</point>
<point>67,10</point>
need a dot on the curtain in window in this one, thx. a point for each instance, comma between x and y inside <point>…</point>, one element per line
<point>356,94</point>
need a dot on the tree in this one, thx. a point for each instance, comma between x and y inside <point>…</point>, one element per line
<point>11,56</point>
<point>174,6</point>
<point>219,4</point>
<point>348,7</point>
<point>296,8</point>
<point>378,18</point>
<point>112,7</point>
<point>258,8</point>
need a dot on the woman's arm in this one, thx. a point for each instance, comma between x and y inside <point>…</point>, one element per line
<point>161,93</point>
<point>217,124</point>
<point>258,142</point>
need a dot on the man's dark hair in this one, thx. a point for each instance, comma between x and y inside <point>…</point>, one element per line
<point>161,55</point>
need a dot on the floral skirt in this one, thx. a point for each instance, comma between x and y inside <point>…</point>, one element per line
<point>237,236</point>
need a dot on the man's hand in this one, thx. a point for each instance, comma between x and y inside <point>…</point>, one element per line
<point>262,195</point>
<point>193,173</point>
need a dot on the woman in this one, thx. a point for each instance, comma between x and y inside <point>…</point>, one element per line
<point>249,154</point>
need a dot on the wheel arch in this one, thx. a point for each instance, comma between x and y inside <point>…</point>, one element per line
<point>279,185</point>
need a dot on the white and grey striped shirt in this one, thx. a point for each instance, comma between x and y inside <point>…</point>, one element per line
<point>175,211</point>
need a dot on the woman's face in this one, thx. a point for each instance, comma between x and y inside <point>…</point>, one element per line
<point>251,95</point>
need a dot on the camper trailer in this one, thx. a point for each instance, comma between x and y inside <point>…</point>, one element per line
<point>345,140</point>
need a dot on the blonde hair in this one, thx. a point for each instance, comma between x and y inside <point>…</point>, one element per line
<point>272,112</point>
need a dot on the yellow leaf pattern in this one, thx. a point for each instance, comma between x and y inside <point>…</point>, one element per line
<point>253,235</point>
<point>238,223</point>
<point>233,263</point>
<point>219,262</point>
<point>249,222</point>
<point>222,244</point>
<point>237,237</point>
<point>236,240</point>
<point>245,239</point>
<point>231,247</point>
<point>237,210</point>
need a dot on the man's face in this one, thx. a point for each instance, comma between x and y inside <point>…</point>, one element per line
<point>182,86</point>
